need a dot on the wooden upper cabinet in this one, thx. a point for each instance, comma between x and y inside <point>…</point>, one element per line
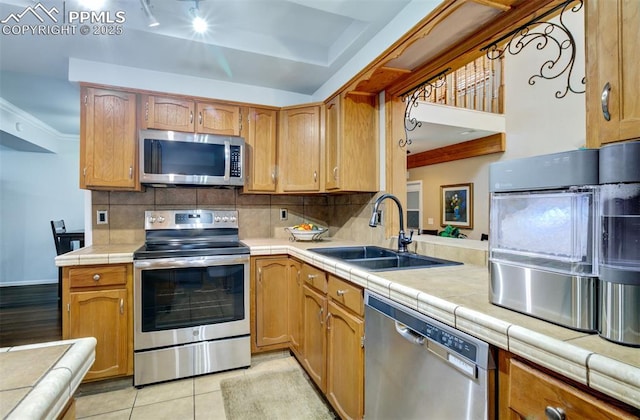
<point>214,118</point>
<point>612,47</point>
<point>261,159</point>
<point>180,114</point>
<point>108,141</point>
<point>351,143</point>
<point>166,113</point>
<point>299,149</point>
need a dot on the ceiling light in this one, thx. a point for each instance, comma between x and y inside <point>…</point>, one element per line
<point>146,8</point>
<point>200,25</point>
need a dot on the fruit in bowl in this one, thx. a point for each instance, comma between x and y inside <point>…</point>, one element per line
<point>305,226</point>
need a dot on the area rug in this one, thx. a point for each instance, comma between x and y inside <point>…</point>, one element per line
<point>272,395</point>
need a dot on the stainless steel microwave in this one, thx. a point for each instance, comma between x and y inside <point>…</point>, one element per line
<point>171,158</point>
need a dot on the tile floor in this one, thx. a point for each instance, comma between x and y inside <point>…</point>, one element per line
<point>192,398</point>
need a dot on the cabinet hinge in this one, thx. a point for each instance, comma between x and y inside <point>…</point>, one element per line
<point>146,111</point>
<point>240,121</point>
<point>86,99</point>
<point>362,341</point>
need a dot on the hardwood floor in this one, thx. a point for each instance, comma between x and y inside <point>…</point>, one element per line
<point>29,314</point>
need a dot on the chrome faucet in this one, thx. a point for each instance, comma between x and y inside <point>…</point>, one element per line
<point>403,241</point>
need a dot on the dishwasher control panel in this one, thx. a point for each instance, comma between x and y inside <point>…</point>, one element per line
<point>455,341</point>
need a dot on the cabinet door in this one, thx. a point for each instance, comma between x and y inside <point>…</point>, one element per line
<point>351,143</point>
<point>295,307</point>
<point>216,118</point>
<point>345,362</point>
<point>314,343</point>
<point>332,151</point>
<point>531,393</point>
<point>261,150</point>
<point>101,314</point>
<point>167,113</point>
<point>613,47</point>
<point>299,150</point>
<point>271,301</point>
<point>108,140</point>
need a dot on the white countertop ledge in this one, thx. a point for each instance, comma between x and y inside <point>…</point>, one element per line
<point>50,395</point>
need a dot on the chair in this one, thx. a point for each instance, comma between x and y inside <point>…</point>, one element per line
<point>429,232</point>
<point>57,227</point>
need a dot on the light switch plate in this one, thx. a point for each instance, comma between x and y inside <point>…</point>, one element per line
<point>102,217</point>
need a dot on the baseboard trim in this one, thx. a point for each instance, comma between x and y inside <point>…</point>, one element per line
<point>28,282</point>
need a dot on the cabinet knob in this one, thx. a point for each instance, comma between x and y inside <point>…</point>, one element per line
<point>335,173</point>
<point>554,413</point>
<point>96,277</point>
<point>191,117</point>
<point>311,276</point>
<point>604,100</point>
<point>315,176</point>
<point>200,118</point>
<point>341,292</point>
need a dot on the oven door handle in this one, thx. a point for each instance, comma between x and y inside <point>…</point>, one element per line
<point>185,262</point>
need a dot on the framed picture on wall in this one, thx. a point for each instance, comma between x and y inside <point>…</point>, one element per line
<point>456,205</point>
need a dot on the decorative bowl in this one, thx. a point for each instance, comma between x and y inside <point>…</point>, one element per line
<point>305,235</point>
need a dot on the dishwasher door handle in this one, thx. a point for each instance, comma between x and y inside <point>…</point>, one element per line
<point>409,335</point>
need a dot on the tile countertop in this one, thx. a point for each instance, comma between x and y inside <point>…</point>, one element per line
<point>457,296</point>
<point>38,380</point>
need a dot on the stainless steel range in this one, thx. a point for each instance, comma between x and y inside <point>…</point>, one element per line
<point>191,296</point>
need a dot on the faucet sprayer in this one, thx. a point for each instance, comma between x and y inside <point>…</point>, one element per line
<point>403,241</point>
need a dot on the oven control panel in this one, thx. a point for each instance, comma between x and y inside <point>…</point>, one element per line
<point>190,219</point>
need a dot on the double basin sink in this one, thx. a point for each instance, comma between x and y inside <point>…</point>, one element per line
<point>375,258</point>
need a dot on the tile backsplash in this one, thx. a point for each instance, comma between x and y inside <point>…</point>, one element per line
<point>346,216</point>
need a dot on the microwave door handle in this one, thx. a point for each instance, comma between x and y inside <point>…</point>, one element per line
<point>227,160</point>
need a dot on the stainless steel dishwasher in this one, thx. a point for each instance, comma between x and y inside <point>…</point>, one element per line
<point>419,368</point>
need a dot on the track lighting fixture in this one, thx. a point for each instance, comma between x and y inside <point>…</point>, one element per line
<point>146,8</point>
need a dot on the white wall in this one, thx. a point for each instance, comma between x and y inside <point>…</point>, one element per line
<point>536,123</point>
<point>34,189</point>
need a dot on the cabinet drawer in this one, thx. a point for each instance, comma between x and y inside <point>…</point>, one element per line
<point>315,277</point>
<point>532,391</point>
<point>347,294</point>
<point>103,275</point>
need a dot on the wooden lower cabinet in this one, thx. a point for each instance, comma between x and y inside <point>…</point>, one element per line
<point>314,339</point>
<point>530,393</point>
<point>319,317</point>
<point>97,303</point>
<point>271,291</point>
<point>294,307</point>
<point>345,362</point>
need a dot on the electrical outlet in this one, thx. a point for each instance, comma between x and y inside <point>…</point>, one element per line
<point>284,214</point>
<point>102,217</point>
<point>430,220</point>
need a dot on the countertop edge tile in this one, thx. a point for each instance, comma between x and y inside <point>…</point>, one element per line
<point>47,399</point>
<point>614,378</point>
<point>563,358</point>
<point>52,392</point>
<point>437,308</point>
<point>482,326</point>
<point>404,295</point>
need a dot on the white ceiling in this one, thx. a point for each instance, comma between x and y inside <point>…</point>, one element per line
<point>288,46</point>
